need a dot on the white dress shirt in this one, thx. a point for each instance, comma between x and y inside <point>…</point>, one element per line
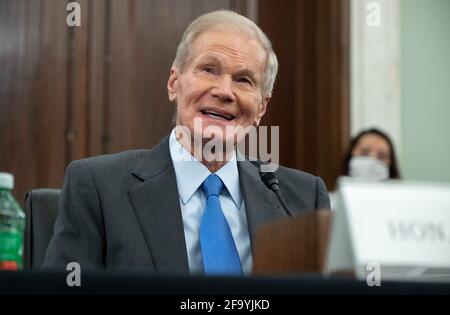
<point>190,174</point>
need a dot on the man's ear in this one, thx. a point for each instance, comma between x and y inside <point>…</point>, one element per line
<point>172,84</point>
<point>263,108</point>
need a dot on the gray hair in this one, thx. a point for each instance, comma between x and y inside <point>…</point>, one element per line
<point>228,18</point>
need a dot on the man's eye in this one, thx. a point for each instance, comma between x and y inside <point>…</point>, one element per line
<point>244,80</point>
<point>208,69</point>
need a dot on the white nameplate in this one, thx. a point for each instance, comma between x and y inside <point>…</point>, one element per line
<point>404,227</point>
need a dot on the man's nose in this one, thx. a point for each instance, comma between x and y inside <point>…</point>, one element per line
<point>223,89</point>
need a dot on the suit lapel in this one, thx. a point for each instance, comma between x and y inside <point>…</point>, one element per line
<point>157,207</point>
<point>261,204</point>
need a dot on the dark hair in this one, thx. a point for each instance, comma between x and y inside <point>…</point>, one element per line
<point>394,171</point>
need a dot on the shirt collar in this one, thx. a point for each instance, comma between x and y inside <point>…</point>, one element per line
<point>229,175</point>
<point>191,173</point>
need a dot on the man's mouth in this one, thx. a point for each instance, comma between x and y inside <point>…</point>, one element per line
<point>216,114</point>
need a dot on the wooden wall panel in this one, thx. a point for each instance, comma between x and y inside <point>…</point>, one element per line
<point>97,85</point>
<point>33,70</point>
<point>310,102</point>
<point>277,22</point>
<point>50,137</point>
<point>332,87</point>
<point>79,68</point>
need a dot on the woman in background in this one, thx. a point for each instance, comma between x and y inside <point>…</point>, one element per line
<point>370,156</point>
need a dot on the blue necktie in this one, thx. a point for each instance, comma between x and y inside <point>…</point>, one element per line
<point>220,255</point>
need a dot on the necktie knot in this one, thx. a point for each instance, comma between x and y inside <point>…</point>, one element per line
<point>212,186</point>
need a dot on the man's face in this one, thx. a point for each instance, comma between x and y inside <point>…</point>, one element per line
<point>221,84</point>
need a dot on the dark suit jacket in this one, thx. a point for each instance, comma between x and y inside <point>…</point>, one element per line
<point>122,211</point>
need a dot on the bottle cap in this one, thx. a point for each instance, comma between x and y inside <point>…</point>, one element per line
<point>6,181</point>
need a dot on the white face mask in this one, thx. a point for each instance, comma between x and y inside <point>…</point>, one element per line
<point>366,167</point>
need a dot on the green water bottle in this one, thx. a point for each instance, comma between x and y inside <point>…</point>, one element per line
<point>12,226</point>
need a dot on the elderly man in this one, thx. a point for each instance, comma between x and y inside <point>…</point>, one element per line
<point>172,209</point>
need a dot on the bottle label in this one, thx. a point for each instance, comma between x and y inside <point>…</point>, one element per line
<point>11,251</point>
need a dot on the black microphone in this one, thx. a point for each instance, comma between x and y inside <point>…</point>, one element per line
<point>271,181</point>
